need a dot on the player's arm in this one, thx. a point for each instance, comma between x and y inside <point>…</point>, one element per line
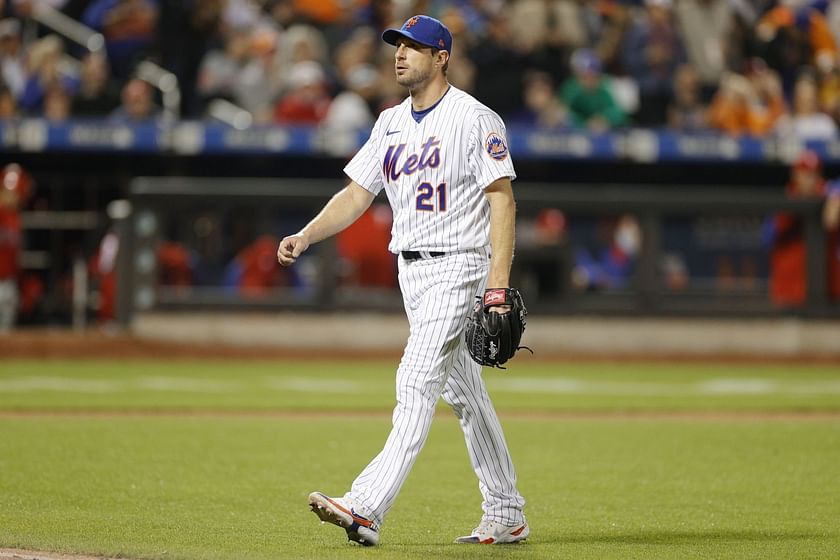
<point>343,209</point>
<point>502,226</point>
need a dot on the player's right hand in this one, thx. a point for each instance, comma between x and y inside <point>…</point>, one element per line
<point>290,249</point>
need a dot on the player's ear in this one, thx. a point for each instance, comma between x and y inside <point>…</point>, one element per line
<point>442,58</point>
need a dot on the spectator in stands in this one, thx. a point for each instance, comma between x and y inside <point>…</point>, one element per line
<point>129,28</point>
<point>607,24</point>
<point>302,42</point>
<point>832,17</point>
<point>378,14</point>
<point>542,108</point>
<point>137,104</point>
<point>795,36</point>
<point>653,50</point>
<point>768,104</point>
<point>23,8</point>
<point>246,71</point>
<point>352,109</point>
<point>500,67</point>
<point>321,13</point>
<point>97,94</point>
<point>282,12</point>
<point>829,94</point>
<point>729,111</point>
<point>186,32</point>
<point>748,105</point>
<point>12,64</point>
<point>8,104</point>
<point>785,236</point>
<point>360,48</point>
<point>44,59</point>
<point>548,32</point>
<point>221,69</point>
<point>533,21</point>
<point>806,121</point>
<point>687,113</point>
<point>588,97</point>
<point>57,104</point>
<point>306,100</point>
<point>707,28</point>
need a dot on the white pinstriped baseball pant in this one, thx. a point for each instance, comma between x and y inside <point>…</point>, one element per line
<point>438,294</point>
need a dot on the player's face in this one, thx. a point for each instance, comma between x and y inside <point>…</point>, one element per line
<point>414,63</point>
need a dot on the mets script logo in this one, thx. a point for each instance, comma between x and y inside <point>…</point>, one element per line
<point>496,147</point>
<point>411,22</point>
<point>428,156</point>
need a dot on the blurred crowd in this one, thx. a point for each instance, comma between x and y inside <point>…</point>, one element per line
<point>741,67</point>
<point>752,67</point>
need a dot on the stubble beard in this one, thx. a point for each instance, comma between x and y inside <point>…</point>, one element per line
<point>414,78</point>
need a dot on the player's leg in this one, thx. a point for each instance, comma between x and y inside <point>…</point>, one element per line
<point>466,393</point>
<point>438,295</point>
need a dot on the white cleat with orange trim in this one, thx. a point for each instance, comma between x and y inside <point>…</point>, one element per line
<point>338,512</point>
<point>490,532</point>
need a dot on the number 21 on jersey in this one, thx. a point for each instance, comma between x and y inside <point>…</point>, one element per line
<point>430,199</point>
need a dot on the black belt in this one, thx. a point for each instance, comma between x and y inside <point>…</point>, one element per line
<point>414,255</point>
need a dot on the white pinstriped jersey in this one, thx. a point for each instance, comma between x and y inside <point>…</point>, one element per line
<point>434,171</point>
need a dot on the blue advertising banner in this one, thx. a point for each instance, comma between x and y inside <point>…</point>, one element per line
<point>200,137</point>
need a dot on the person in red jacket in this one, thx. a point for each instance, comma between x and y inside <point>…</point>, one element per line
<point>788,254</point>
<point>15,185</point>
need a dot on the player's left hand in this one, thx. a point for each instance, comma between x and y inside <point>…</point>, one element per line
<point>492,335</point>
<point>499,308</point>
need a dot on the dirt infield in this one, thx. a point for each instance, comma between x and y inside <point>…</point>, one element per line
<point>95,344</point>
<point>14,554</point>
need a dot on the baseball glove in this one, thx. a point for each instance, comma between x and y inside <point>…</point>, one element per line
<point>493,338</point>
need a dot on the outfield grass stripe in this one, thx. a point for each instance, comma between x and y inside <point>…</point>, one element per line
<point>552,385</point>
<point>443,413</point>
<point>722,386</point>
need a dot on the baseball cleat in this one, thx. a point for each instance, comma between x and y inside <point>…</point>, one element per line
<point>490,532</point>
<point>338,512</point>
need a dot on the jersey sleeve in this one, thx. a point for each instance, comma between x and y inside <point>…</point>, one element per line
<point>364,167</point>
<point>489,155</point>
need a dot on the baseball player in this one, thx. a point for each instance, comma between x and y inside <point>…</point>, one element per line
<point>442,158</point>
<point>14,188</point>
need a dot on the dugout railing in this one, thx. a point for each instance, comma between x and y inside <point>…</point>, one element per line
<point>158,203</point>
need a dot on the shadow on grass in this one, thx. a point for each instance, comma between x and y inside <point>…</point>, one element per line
<point>644,537</point>
<point>647,537</point>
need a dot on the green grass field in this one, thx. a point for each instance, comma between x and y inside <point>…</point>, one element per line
<point>702,461</point>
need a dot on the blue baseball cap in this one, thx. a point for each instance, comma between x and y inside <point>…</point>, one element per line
<point>585,60</point>
<point>423,29</point>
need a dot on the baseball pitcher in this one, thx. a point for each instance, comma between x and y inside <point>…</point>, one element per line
<point>442,158</point>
